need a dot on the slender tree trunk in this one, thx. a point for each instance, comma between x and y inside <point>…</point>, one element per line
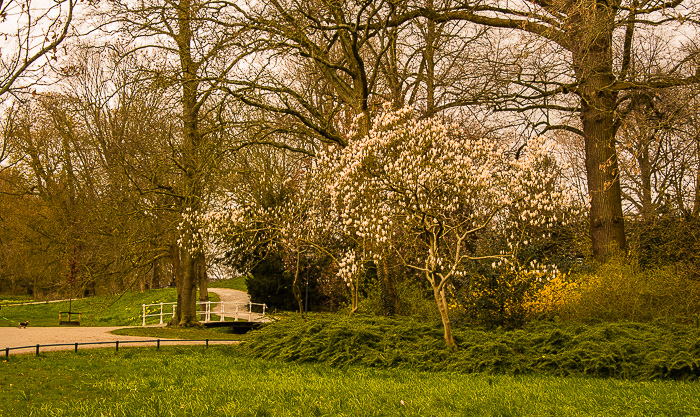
<point>142,282</point>
<point>387,288</point>
<point>202,278</point>
<point>592,58</point>
<point>157,273</point>
<point>444,313</point>
<point>177,278</point>
<point>295,285</point>
<point>429,56</point>
<point>645,176</point>
<point>390,284</point>
<point>696,202</point>
<point>392,63</point>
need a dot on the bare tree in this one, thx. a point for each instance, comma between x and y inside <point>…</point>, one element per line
<point>194,53</point>
<point>41,27</point>
<point>314,62</point>
<point>591,45</point>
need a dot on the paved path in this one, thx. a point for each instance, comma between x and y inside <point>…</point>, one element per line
<point>230,296</point>
<point>31,336</point>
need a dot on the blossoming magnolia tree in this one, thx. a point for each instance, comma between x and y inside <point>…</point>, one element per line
<point>415,184</point>
<point>268,216</point>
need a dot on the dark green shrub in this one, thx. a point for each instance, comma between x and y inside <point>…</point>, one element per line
<point>668,240</point>
<point>271,284</point>
<point>620,350</point>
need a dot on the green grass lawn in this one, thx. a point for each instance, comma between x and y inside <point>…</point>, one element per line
<point>192,381</point>
<point>120,310</point>
<point>123,310</point>
<point>237,283</point>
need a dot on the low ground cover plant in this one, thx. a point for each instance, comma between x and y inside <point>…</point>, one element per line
<point>622,350</point>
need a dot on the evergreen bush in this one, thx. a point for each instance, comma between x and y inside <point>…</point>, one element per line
<point>620,350</point>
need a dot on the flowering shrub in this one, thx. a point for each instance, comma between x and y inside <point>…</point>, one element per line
<point>619,290</point>
<point>498,297</point>
<point>554,297</point>
<point>418,188</point>
<point>272,225</point>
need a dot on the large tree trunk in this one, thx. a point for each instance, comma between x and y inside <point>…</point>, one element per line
<point>592,57</point>
<point>192,180</point>
<point>187,297</point>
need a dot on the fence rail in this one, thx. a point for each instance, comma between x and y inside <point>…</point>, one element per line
<point>222,309</point>
<point>29,303</point>
<point>116,344</point>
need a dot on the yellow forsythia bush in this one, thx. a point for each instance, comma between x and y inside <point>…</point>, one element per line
<point>618,290</point>
<point>554,297</point>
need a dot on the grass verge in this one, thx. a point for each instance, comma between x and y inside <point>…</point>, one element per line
<point>12,299</point>
<point>192,381</point>
<point>177,333</point>
<point>237,283</point>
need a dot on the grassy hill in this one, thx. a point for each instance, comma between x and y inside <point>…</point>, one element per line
<point>120,310</point>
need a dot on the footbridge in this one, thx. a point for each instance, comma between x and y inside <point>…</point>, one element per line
<point>210,312</point>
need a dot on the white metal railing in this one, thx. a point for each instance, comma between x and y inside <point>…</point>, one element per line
<point>222,309</point>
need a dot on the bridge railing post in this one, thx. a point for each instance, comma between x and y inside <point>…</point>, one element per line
<point>143,315</point>
<point>236,315</point>
<point>161,313</point>
<point>221,311</point>
<point>250,311</point>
